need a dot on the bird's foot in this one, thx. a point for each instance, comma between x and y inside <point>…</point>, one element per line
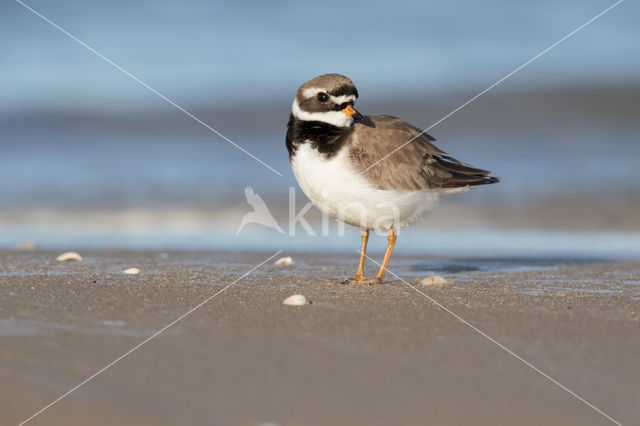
<point>361,279</point>
<point>356,279</point>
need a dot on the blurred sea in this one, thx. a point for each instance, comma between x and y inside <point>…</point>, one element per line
<point>91,159</point>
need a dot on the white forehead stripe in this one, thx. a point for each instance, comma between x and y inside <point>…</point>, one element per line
<point>310,93</point>
<point>336,118</point>
<point>343,98</point>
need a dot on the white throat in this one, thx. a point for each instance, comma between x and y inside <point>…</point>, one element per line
<point>336,118</point>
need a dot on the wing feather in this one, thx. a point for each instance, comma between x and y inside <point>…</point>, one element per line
<point>418,165</point>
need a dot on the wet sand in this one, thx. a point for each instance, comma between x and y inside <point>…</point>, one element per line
<point>358,355</point>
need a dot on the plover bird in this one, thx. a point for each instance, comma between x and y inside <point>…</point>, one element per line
<point>375,172</point>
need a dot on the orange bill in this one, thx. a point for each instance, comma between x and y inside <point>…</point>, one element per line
<point>351,112</point>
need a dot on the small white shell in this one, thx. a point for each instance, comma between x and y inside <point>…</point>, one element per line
<point>435,281</point>
<point>284,261</point>
<point>70,255</point>
<point>131,271</point>
<point>296,300</point>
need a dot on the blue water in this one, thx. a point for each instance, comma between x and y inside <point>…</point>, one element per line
<point>413,241</point>
<point>71,168</point>
<point>231,52</point>
<point>53,183</point>
<point>53,172</point>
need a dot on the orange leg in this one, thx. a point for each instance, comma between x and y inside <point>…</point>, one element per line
<point>391,238</point>
<point>359,276</point>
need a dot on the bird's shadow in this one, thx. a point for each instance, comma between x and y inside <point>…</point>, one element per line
<point>473,264</point>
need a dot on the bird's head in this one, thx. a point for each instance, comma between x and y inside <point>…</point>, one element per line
<point>327,98</point>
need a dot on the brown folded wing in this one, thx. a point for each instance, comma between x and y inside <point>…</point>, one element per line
<point>418,165</point>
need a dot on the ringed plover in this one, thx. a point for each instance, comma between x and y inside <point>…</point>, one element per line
<point>341,161</point>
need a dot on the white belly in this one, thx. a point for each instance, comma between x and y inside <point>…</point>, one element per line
<point>338,190</point>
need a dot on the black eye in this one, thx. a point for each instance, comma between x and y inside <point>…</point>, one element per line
<point>323,97</point>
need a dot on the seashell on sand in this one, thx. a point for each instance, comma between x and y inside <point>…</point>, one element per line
<point>70,255</point>
<point>296,300</point>
<point>131,271</point>
<point>284,261</point>
<point>435,281</point>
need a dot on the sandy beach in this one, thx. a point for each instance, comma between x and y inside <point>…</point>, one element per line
<point>358,355</point>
